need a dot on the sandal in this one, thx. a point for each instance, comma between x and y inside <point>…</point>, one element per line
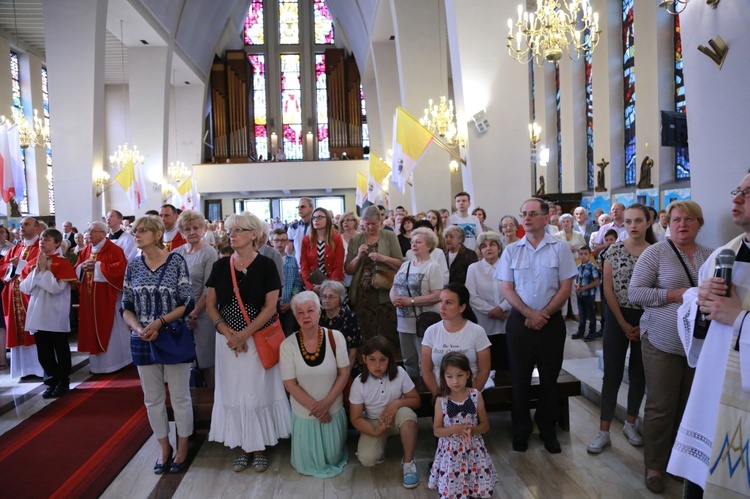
<point>260,463</point>
<point>241,463</point>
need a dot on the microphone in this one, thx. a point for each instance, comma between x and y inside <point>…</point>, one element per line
<point>724,264</point>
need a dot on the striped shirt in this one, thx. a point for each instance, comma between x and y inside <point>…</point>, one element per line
<point>656,271</point>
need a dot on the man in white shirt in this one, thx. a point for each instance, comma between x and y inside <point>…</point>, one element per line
<point>618,225</point>
<point>469,223</point>
<point>298,230</point>
<point>118,235</point>
<point>582,224</point>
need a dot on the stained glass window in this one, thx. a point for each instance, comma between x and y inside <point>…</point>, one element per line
<point>288,22</point>
<point>681,154</point>
<point>589,122</point>
<point>323,23</point>
<point>15,76</point>
<point>291,106</point>
<point>254,24</point>
<point>50,178</point>
<point>259,104</point>
<point>628,68</point>
<point>365,126</point>
<point>559,132</point>
<point>321,104</point>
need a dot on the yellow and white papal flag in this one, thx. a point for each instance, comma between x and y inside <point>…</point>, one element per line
<point>132,182</point>
<point>361,194</point>
<point>410,140</point>
<point>188,194</point>
<point>378,172</point>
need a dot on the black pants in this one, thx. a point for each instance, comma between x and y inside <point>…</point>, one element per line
<point>603,306</point>
<point>615,348</point>
<point>499,352</point>
<point>53,352</point>
<point>586,313</point>
<point>543,348</point>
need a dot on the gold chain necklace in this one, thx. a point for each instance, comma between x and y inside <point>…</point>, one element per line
<point>311,356</point>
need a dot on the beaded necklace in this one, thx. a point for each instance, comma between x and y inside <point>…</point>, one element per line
<point>305,354</point>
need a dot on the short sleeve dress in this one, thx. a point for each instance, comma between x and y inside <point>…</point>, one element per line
<point>461,469</point>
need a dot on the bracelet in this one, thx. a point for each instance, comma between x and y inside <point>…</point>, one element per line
<point>412,301</point>
<point>218,321</point>
<point>163,322</point>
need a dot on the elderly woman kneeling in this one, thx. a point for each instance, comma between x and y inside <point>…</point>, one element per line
<point>315,367</point>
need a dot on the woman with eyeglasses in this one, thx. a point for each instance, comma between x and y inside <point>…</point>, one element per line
<point>662,274</point>
<point>200,258</point>
<point>336,316</point>
<point>156,292</point>
<point>322,249</point>
<point>508,230</point>
<point>251,410</point>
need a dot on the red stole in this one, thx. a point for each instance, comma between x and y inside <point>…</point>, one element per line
<point>15,302</point>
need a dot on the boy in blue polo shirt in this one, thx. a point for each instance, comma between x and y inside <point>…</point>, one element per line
<point>586,282</point>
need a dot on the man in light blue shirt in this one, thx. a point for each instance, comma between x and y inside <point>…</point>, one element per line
<point>537,273</point>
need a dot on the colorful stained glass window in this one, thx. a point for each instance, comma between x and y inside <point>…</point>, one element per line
<point>323,23</point>
<point>681,154</point>
<point>50,178</point>
<point>254,34</point>
<point>589,122</point>
<point>365,126</point>
<point>15,76</point>
<point>321,104</point>
<point>559,132</point>
<point>288,22</point>
<point>259,104</point>
<point>291,106</point>
<point>628,68</point>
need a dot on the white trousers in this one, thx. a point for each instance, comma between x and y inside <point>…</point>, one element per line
<point>177,376</point>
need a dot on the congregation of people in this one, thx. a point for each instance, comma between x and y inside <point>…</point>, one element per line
<point>367,306</point>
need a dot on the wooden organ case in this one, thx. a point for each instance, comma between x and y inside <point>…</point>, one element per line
<point>344,105</point>
<point>231,108</point>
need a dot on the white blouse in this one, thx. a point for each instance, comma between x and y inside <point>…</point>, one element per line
<point>486,293</point>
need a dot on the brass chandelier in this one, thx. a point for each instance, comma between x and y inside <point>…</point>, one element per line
<point>440,119</point>
<point>554,29</point>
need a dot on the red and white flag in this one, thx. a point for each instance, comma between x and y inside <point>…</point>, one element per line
<point>12,179</point>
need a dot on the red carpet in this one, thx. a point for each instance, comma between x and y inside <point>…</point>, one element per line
<point>77,445</point>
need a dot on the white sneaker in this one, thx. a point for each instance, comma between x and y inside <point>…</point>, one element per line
<point>597,446</point>
<point>631,433</point>
<point>411,477</point>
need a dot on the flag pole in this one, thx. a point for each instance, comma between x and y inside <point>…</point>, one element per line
<point>450,150</point>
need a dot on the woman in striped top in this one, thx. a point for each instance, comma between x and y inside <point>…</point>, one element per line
<point>662,274</point>
<point>322,249</point>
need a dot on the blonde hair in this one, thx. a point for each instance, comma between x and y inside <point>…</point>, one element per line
<point>190,216</point>
<point>153,224</point>
<point>429,236</point>
<point>245,220</point>
<point>690,207</point>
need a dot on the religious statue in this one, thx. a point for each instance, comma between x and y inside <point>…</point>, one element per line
<point>645,181</point>
<point>540,191</point>
<point>600,176</point>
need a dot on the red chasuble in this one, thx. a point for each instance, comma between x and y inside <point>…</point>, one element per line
<point>15,302</point>
<point>176,242</point>
<point>96,311</point>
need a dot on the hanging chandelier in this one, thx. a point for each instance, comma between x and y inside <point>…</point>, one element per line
<point>125,156</point>
<point>178,172</point>
<point>32,133</point>
<point>554,29</point>
<point>440,119</point>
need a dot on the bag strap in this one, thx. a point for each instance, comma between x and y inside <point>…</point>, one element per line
<point>237,291</point>
<point>332,342</point>
<point>408,268</point>
<point>162,271</point>
<point>684,266</point>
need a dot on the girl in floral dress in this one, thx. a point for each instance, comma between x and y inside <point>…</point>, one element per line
<point>462,466</point>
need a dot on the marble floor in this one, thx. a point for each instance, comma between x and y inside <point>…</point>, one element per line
<point>617,472</point>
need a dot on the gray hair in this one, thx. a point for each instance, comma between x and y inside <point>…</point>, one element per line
<point>337,287</point>
<point>371,213</point>
<point>566,216</point>
<point>459,231</point>
<point>304,297</point>
<point>99,226</point>
<point>430,237</point>
<point>489,237</point>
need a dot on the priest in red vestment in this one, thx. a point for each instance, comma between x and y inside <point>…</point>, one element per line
<point>172,237</point>
<point>23,356</point>
<point>101,330</point>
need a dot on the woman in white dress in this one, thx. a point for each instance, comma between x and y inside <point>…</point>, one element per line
<point>251,410</point>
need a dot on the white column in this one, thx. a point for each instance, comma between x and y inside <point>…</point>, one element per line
<point>36,157</point>
<point>74,38</point>
<point>419,26</point>
<point>654,87</point>
<point>573,124</point>
<point>486,78</point>
<point>149,77</point>
<point>546,117</point>
<point>607,87</point>
<point>6,99</point>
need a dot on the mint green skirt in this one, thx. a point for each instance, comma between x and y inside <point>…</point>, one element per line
<point>319,450</point>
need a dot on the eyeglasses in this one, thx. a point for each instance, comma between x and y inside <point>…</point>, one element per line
<point>238,231</point>
<point>280,240</point>
<point>329,297</point>
<point>142,230</point>
<point>530,214</point>
<point>745,192</point>
<point>319,217</point>
<point>509,226</point>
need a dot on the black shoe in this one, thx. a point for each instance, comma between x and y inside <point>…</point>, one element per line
<point>577,336</point>
<point>160,468</point>
<point>552,446</point>
<point>47,394</point>
<point>589,338</point>
<point>177,467</point>
<point>60,390</point>
<point>520,444</point>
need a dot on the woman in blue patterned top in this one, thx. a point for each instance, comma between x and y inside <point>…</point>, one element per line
<point>157,292</point>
